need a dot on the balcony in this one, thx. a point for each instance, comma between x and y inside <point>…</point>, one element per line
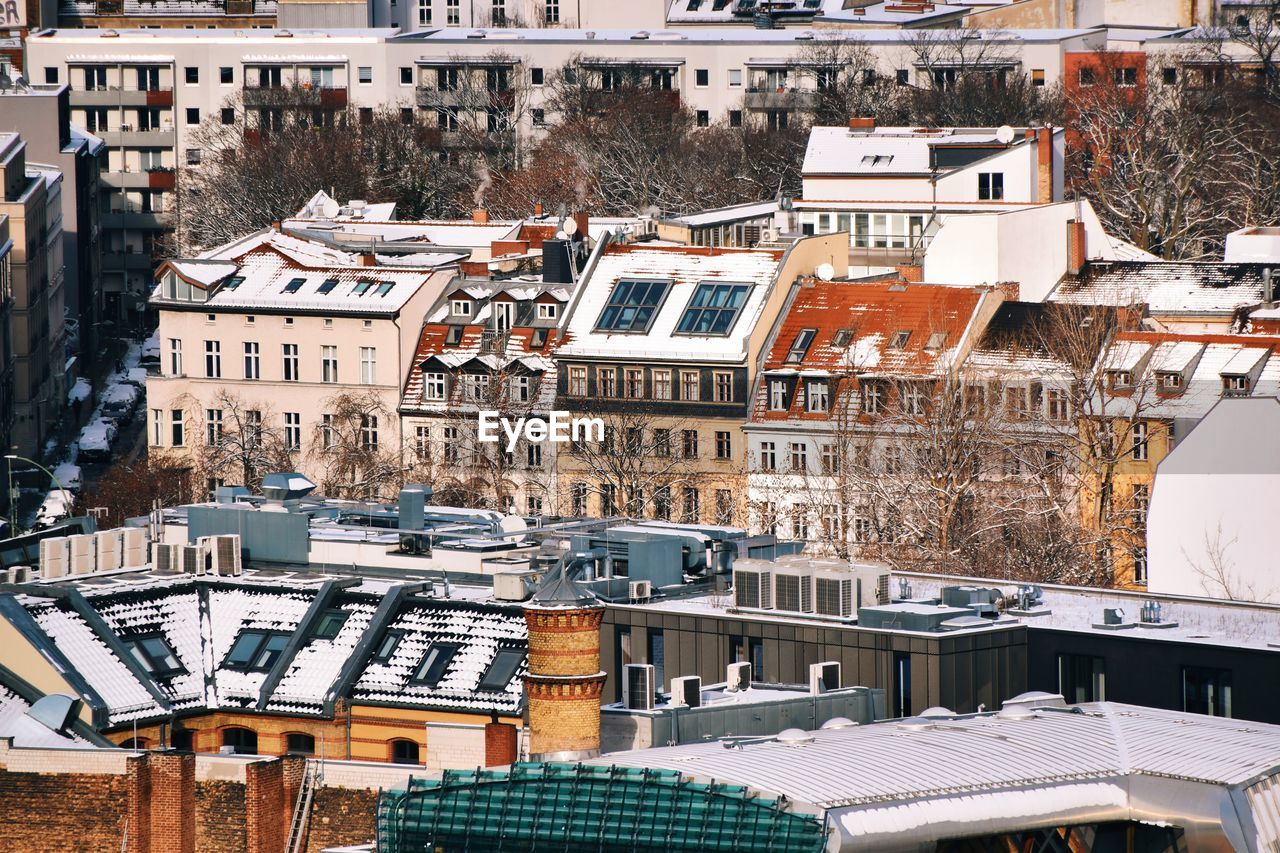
<point>150,179</point>
<point>130,138</point>
<point>135,261</point>
<point>780,98</point>
<point>305,95</point>
<point>133,218</point>
<point>117,97</point>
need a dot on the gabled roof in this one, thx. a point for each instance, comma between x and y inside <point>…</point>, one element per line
<point>517,355</point>
<point>900,151</point>
<point>1167,287</point>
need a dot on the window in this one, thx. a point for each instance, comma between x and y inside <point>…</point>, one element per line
<point>768,456</point>
<point>536,76</point>
<point>368,365</point>
<point>422,442</point>
<point>452,12</point>
<point>662,384</point>
<point>691,506</point>
<point>713,310</point>
<point>632,306</point>
<point>460,307</point>
<point>735,118</point>
<point>330,624</point>
<point>193,115</point>
<point>1082,678</point>
<point>830,459</point>
<point>548,311</point>
<point>252,361</point>
<point>326,287</point>
<point>689,443</point>
<point>723,384</point>
<point>225,75</point>
<point>228,115</point>
<point>799,456</point>
<point>213,359</point>
<point>1235,385</point>
<point>289,354</point>
<point>912,399</point>
<point>293,430</point>
<point>1170,381</point>
<point>1169,76</point>
<point>724,506</point>
<point>1206,690</point>
<point>724,444</point>
<point>175,357</point>
<point>369,432</point>
<point>533,455</point>
<point>255,651</point>
<point>1126,76</point>
<point>299,743</point>
<point>662,442</point>
<point>578,499</point>
<point>387,647</point>
<point>453,337</point>
<point>329,364</point>
<point>177,428</point>
<point>519,389</point>
<point>155,654</point>
<point>1139,556</point>
<point>451,453</point>
<point>1138,436</point>
<point>799,530</point>
<point>242,741</point>
<point>872,398</point>
<point>194,156</point>
<point>157,427</point>
<point>404,751</point>
<point>607,381</point>
<point>1086,76</point>
<point>800,346</point>
<point>690,385</point>
<point>406,76</point>
<point>424,13</point>
<point>501,670</point>
<point>902,77</point>
<point>633,382</point>
<point>702,118</point>
<point>364,74</point>
<point>816,397</point>
<point>51,75</point>
<point>1058,408</point>
<point>990,186</point>
<point>777,395</point>
<point>578,381</point>
<point>435,663</point>
<point>552,12</point>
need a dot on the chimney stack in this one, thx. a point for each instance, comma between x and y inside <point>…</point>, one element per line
<point>537,208</point>
<point>868,123</point>
<point>368,260</point>
<point>480,216</point>
<point>1076,248</point>
<point>583,221</point>
<point>500,743</point>
<point>1044,165</point>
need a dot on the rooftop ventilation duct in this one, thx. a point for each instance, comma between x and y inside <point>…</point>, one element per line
<point>286,487</point>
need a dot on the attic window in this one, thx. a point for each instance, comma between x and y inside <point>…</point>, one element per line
<point>499,674</point>
<point>460,307</point>
<point>842,337</point>
<point>548,311</point>
<point>362,287</point>
<point>632,306</point>
<point>713,309</point>
<point>435,663</point>
<point>1170,380</point>
<point>384,287</point>
<point>155,654</point>
<point>327,286</point>
<point>800,346</point>
<point>255,651</point>
<point>330,624</point>
<point>390,642</point>
<point>294,285</point>
<point>453,337</point>
<point>877,159</point>
<point>233,282</point>
<point>1235,384</point>
<point>539,339</point>
<point>936,340</point>
<point>899,340</point>
<point>1121,378</point>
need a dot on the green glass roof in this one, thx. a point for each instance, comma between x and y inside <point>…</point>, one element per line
<point>585,807</point>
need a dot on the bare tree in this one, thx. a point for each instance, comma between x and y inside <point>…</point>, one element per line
<point>129,490</point>
<point>1217,571</point>
<point>350,446</point>
<point>1256,26</point>
<point>849,82</point>
<point>241,440</point>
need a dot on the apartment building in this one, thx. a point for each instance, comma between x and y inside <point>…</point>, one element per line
<point>663,343</point>
<point>269,341</point>
<point>32,202</point>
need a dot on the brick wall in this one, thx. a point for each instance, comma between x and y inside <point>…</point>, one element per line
<point>219,815</point>
<point>263,805</point>
<point>342,817</point>
<point>72,812</point>
<point>172,802</point>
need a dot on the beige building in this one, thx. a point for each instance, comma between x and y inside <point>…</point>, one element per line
<point>279,353</point>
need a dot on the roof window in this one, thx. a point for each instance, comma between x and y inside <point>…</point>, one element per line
<point>255,651</point>
<point>435,663</point>
<point>713,309</point>
<point>501,670</point>
<point>842,337</point>
<point>800,346</point>
<point>362,287</point>
<point>899,340</point>
<point>330,624</point>
<point>155,654</point>
<point>294,285</point>
<point>632,306</point>
<point>233,282</point>
<point>327,286</point>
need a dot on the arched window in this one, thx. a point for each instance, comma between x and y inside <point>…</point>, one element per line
<point>184,739</point>
<point>300,743</point>
<point>242,741</point>
<point>134,743</point>
<point>404,752</point>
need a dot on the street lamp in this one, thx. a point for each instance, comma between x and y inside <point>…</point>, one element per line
<point>13,505</point>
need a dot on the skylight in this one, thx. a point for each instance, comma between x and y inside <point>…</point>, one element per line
<point>327,286</point>
<point>842,337</point>
<point>155,655</point>
<point>390,641</point>
<point>233,282</point>
<point>498,675</point>
<point>330,624</point>
<point>384,287</point>
<point>936,340</point>
<point>435,663</point>
<point>632,306</point>
<point>800,346</point>
<point>362,287</point>
<point>255,651</point>
<point>294,285</point>
<point>713,309</point>
<point>899,340</point>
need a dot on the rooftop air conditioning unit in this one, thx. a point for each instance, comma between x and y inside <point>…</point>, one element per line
<point>165,557</point>
<point>738,676</point>
<point>224,554</point>
<point>82,553</point>
<point>512,586</point>
<point>686,692</point>
<point>752,588</point>
<point>107,545</point>
<point>19,574</point>
<point>192,559</point>
<point>637,686</point>
<point>833,594</point>
<point>134,547</point>
<point>768,235</point>
<point>640,590</point>
<point>882,589</point>
<point>793,590</point>
<point>824,677</point>
<point>55,556</point>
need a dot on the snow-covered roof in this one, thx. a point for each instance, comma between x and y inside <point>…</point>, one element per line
<point>1167,287</point>
<point>887,150</point>
<point>733,213</point>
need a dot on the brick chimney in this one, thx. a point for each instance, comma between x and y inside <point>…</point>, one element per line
<point>480,216</point>
<point>1044,165</point>
<point>161,807</point>
<point>367,259</point>
<point>1076,248</point>
<point>868,123</point>
<point>499,743</point>
<point>583,221</point>
<point>537,208</point>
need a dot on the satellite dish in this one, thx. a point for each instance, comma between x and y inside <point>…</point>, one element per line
<point>329,208</point>
<point>569,226</point>
<point>560,235</point>
<point>826,272</point>
<point>513,524</point>
<point>1004,134</point>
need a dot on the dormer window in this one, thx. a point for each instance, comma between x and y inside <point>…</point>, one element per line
<point>800,346</point>
<point>1235,384</point>
<point>233,282</point>
<point>1170,381</point>
<point>548,311</point>
<point>1120,378</point>
<point>777,395</point>
<point>460,307</point>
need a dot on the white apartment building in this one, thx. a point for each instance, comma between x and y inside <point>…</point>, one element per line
<point>270,332</point>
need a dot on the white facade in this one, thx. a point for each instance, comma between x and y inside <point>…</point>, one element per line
<point>1210,530</point>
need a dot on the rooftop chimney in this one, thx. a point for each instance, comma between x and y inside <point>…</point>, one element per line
<point>1044,165</point>
<point>1076,249</point>
<point>368,260</point>
<point>868,123</point>
<point>537,208</point>
<point>584,221</point>
<point>480,216</point>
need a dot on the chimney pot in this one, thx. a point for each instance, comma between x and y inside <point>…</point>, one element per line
<point>480,216</point>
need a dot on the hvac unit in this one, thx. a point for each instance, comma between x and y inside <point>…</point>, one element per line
<point>793,590</point>
<point>738,676</point>
<point>640,590</point>
<point>192,559</point>
<point>686,691</point>
<point>19,574</point>
<point>82,553</point>
<point>166,557</point>
<point>824,677</point>
<point>133,553</point>
<point>513,586</point>
<point>833,594</point>
<point>224,554</point>
<point>768,235</point>
<point>752,588</point>
<point>107,545</point>
<point>882,590</point>
<point>55,555</point>
<point>637,686</point>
